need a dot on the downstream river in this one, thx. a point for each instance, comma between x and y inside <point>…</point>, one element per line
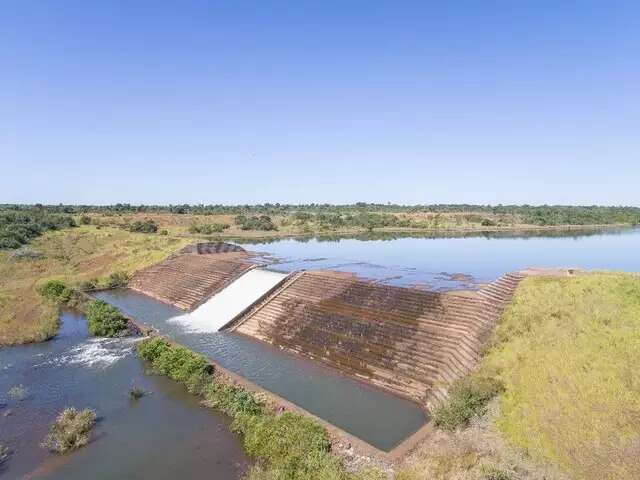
<point>166,434</point>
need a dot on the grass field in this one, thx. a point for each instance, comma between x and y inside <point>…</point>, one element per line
<point>567,351</point>
<point>73,255</point>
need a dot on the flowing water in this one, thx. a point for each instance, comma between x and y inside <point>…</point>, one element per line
<point>373,415</point>
<point>163,435</point>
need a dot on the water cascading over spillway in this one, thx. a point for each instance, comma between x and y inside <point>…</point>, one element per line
<point>223,307</point>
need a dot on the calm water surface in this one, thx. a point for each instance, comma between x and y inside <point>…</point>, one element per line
<point>164,435</point>
<point>458,261</point>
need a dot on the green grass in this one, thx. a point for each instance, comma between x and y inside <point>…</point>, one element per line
<point>104,320</point>
<point>567,351</point>
<point>289,446</point>
<point>467,398</point>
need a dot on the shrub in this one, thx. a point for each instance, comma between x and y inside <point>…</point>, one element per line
<point>146,226</point>
<point>118,280</point>
<point>177,362</point>
<point>208,228</point>
<point>488,223</point>
<point>163,232</point>
<point>85,220</point>
<point>88,285</point>
<point>262,222</point>
<point>5,453</point>
<point>56,291</point>
<point>70,431</point>
<point>292,447</point>
<point>104,320</point>
<point>136,393</point>
<point>467,398</point>
<point>493,473</point>
<point>18,392</point>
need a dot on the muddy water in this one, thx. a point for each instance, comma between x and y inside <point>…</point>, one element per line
<point>375,416</point>
<point>453,262</point>
<point>164,435</point>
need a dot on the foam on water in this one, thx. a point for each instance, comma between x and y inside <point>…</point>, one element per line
<point>96,352</point>
<point>214,314</point>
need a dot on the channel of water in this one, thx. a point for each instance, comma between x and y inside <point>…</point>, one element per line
<point>371,414</point>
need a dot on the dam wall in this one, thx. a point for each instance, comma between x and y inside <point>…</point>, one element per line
<point>411,342</point>
<point>193,275</point>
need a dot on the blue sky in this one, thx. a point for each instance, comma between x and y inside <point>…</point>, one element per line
<point>250,102</point>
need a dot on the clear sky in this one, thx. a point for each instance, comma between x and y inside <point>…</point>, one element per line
<point>324,101</point>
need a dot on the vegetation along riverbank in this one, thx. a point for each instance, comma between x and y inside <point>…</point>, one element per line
<point>285,445</point>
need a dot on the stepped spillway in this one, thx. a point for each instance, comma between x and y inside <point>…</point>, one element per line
<point>411,342</point>
<point>224,306</point>
<point>190,277</point>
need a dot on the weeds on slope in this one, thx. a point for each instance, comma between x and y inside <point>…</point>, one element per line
<point>567,351</point>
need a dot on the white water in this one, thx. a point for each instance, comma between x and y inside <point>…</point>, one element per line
<point>95,352</point>
<point>220,309</point>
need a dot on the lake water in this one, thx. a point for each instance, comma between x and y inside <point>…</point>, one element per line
<point>459,261</point>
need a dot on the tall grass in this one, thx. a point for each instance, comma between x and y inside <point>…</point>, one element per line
<point>568,351</point>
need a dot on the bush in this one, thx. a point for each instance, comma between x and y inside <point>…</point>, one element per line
<point>208,228</point>
<point>19,227</point>
<point>118,280</point>
<point>5,453</point>
<point>146,226</point>
<point>56,291</point>
<point>177,362</point>
<point>136,393</point>
<point>262,222</point>
<point>70,431</point>
<point>488,223</point>
<point>493,473</point>
<point>85,220</point>
<point>19,392</point>
<point>467,398</point>
<point>88,285</point>
<point>104,320</point>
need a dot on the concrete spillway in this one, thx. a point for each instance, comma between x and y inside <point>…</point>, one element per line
<point>193,275</point>
<point>413,343</point>
<point>224,306</point>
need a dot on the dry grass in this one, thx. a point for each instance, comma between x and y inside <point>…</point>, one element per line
<point>74,256</point>
<point>70,431</point>
<point>476,453</point>
<point>567,352</point>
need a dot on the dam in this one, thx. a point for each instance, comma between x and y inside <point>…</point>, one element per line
<point>336,345</point>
